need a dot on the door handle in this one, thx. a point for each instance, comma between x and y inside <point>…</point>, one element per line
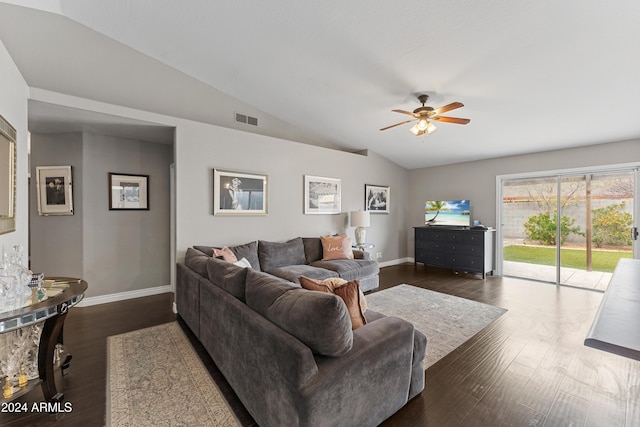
<point>634,233</point>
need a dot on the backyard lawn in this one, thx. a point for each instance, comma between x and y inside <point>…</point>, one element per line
<point>572,258</point>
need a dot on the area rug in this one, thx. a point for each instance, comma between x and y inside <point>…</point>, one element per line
<point>155,378</point>
<point>447,321</point>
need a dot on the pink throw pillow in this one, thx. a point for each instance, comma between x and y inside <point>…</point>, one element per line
<point>226,254</point>
<point>336,247</point>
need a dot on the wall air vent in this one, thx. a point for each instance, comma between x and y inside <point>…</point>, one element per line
<point>248,120</point>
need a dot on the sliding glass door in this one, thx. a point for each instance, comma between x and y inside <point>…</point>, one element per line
<point>568,228</point>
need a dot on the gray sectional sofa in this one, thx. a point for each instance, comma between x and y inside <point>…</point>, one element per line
<point>290,354</point>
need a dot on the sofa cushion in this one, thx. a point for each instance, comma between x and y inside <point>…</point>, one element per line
<point>312,249</point>
<point>208,250</point>
<point>248,251</point>
<point>227,276</point>
<point>319,320</point>
<point>336,247</point>
<point>350,269</point>
<point>197,261</point>
<point>293,272</point>
<point>349,292</point>
<point>280,254</point>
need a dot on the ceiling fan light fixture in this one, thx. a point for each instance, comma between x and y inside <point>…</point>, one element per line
<point>415,130</point>
<point>423,124</point>
<point>431,128</point>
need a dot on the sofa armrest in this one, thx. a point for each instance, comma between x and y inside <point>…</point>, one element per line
<point>358,254</point>
<point>374,376</point>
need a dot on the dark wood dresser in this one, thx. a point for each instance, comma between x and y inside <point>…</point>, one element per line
<point>461,249</point>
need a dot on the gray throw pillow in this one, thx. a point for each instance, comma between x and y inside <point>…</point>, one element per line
<point>281,254</point>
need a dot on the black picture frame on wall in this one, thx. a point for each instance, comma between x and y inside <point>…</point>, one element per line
<point>128,192</point>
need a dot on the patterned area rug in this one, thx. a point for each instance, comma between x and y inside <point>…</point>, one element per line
<point>155,378</point>
<point>447,321</point>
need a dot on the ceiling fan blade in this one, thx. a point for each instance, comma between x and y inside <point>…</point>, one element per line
<point>398,124</point>
<point>404,112</point>
<point>451,120</point>
<point>447,107</point>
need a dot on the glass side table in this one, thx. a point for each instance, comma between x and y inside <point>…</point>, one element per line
<point>364,246</point>
<point>49,315</point>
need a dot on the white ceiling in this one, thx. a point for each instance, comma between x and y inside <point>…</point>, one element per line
<point>533,76</point>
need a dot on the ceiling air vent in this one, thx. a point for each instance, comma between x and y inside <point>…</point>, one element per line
<point>248,120</point>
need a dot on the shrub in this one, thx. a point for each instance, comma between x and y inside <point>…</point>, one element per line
<point>611,225</point>
<point>542,228</point>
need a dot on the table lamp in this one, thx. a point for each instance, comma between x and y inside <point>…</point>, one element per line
<point>360,219</point>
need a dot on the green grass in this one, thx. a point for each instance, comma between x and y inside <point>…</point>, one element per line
<point>572,258</point>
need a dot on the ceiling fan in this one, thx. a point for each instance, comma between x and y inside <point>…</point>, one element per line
<point>424,115</point>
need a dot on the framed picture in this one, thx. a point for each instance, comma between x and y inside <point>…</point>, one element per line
<point>240,193</point>
<point>376,198</point>
<point>321,195</point>
<point>128,192</point>
<point>54,190</point>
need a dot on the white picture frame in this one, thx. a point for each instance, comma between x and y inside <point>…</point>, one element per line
<point>377,198</point>
<point>240,193</point>
<point>54,188</point>
<point>322,195</point>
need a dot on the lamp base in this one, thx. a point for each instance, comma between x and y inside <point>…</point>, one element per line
<point>361,235</point>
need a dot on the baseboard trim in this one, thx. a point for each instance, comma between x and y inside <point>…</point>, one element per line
<point>121,296</point>
<point>395,262</point>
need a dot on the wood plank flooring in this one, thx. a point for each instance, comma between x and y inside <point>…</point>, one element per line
<point>529,368</point>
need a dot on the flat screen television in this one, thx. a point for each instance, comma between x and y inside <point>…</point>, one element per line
<point>453,213</point>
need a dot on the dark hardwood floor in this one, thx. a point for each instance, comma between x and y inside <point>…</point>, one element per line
<point>528,368</point>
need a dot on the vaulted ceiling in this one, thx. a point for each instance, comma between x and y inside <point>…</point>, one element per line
<point>534,76</point>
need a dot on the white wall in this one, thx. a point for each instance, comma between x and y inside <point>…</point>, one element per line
<point>201,147</point>
<point>13,107</point>
<point>477,180</point>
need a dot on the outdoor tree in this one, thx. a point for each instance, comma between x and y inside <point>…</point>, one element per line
<point>611,225</point>
<point>542,227</point>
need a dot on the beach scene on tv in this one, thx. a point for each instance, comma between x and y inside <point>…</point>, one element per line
<point>447,212</point>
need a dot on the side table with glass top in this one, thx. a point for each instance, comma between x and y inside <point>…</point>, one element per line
<point>364,246</point>
<point>64,294</point>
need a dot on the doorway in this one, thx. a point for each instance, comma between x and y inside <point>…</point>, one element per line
<point>568,228</point>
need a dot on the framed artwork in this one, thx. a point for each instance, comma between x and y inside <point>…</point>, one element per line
<point>128,192</point>
<point>377,198</point>
<point>8,162</point>
<point>321,195</point>
<point>240,193</point>
<point>54,190</point>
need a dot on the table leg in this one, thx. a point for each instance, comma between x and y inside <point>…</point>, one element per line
<point>51,335</point>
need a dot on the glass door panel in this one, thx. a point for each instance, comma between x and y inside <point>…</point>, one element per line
<point>528,228</point>
<point>597,224</point>
<point>569,229</point>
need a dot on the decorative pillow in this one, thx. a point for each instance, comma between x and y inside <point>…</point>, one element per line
<point>248,251</point>
<point>243,263</point>
<point>349,292</point>
<point>281,254</point>
<point>226,254</point>
<point>336,247</point>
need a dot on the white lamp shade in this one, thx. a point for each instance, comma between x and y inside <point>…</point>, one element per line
<point>360,219</point>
